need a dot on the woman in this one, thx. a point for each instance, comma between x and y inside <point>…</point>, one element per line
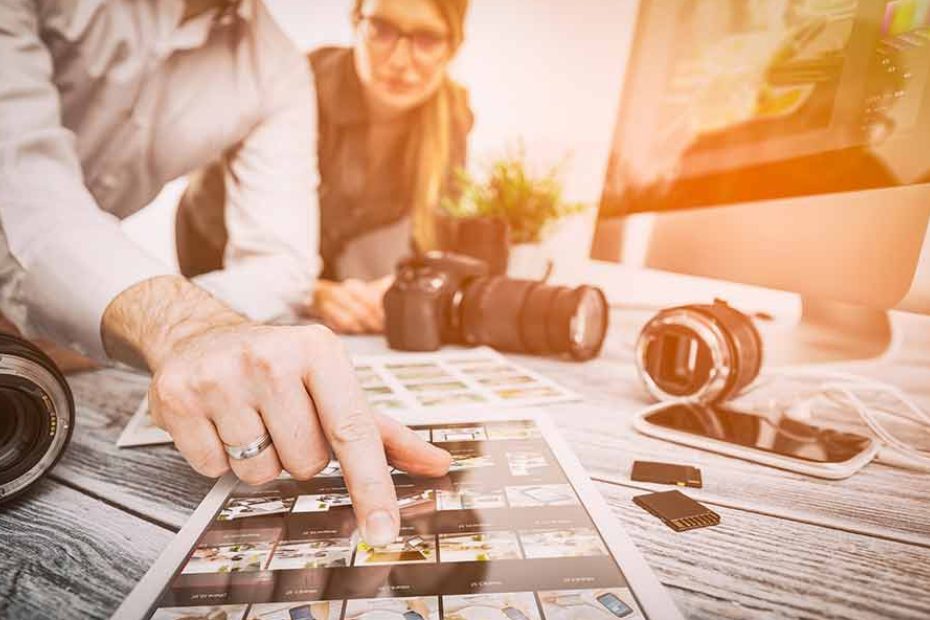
<point>392,127</point>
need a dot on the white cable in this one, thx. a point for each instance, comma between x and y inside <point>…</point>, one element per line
<point>841,388</point>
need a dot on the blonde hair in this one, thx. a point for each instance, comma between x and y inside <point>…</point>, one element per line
<point>426,159</point>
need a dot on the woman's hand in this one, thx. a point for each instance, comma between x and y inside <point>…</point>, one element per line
<point>351,306</point>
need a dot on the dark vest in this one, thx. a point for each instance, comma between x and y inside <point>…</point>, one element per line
<point>356,197</point>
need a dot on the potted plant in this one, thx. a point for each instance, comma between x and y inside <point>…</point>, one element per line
<point>530,204</point>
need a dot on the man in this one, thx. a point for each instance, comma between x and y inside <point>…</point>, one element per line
<point>101,103</point>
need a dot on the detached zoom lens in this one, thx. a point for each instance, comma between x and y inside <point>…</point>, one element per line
<point>36,415</point>
<point>706,353</point>
<point>526,316</point>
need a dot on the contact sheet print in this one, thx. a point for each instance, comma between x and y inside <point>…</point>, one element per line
<point>502,536</point>
<point>453,379</point>
<point>411,382</point>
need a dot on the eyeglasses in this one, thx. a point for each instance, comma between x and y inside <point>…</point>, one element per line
<point>427,46</point>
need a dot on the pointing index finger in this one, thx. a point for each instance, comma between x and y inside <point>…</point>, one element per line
<point>353,435</point>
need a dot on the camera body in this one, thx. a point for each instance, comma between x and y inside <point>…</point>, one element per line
<point>421,307</point>
<point>442,298</point>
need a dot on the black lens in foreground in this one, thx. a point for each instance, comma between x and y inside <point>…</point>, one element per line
<point>24,432</point>
<point>36,415</point>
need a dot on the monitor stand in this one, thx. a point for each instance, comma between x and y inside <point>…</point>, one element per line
<point>828,331</point>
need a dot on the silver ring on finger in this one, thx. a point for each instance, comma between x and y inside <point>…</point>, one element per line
<point>249,450</point>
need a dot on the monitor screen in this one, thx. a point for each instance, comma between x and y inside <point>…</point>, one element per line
<point>734,101</point>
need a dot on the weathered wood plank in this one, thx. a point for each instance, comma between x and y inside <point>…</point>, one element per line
<point>754,566</point>
<point>154,481</point>
<point>67,555</point>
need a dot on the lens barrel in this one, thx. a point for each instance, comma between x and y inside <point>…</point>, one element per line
<point>701,352</point>
<point>526,316</point>
<point>36,415</point>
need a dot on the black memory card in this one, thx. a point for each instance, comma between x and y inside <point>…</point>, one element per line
<point>666,473</point>
<point>679,511</point>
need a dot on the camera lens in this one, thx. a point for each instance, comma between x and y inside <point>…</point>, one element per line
<point>500,327</point>
<point>701,352</point>
<point>529,317</point>
<point>579,321</point>
<point>36,415</point>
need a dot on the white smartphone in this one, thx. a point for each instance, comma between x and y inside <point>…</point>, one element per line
<point>777,441</point>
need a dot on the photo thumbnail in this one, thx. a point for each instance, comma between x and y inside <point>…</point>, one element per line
<point>377,390</point>
<point>204,612</point>
<point>435,388</point>
<point>459,433</point>
<point>368,376</point>
<point>255,506</point>
<point>508,379</point>
<point>415,501</point>
<point>415,549</point>
<point>230,558</point>
<point>516,429</point>
<point>470,497</point>
<point>309,610</point>
<point>322,502</point>
<point>535,391</point>
<point>513,606</point>
<point>479,547</point>
<point>232,551</point>
<point>413,608</point>
<point>451,399</point>
<point>526,462</point>
<point>482,367</point>
<point>316,553</point>
<point>417,371</point>
<point>567,543</point>
<point>530,496</point>
<point>469,455</point>
<point>597,604</point>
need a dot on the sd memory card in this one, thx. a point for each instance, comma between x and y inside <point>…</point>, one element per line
<point>679,511</point>
<point>666,473</point>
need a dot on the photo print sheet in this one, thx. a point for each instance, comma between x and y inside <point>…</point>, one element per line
<point>504,536</point>
<point>415,382</point>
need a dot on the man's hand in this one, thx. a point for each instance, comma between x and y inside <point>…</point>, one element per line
<point>219,379</point>
<point>350,306</point>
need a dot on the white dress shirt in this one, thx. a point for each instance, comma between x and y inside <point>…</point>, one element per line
<point>102,102</point>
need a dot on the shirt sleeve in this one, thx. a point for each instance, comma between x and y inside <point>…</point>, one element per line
<point>272,220</point>
<point>62,259</point>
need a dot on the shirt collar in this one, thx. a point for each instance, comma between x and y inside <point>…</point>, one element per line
<point>195,32</point>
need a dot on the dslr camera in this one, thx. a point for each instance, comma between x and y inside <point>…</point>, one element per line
<point>442,298</point>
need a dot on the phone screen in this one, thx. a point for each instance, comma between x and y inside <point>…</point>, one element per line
<point>514,614</point>
<point>614,605</point>
<point>301,613</point>
<point>777,434</point>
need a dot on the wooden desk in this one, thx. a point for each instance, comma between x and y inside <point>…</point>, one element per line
<point>788,545</point>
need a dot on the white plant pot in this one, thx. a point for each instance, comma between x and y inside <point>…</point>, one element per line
<point>567,246</point>
<point>528,261</point>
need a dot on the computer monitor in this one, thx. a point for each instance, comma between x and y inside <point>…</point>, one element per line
<point>784,144</point>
